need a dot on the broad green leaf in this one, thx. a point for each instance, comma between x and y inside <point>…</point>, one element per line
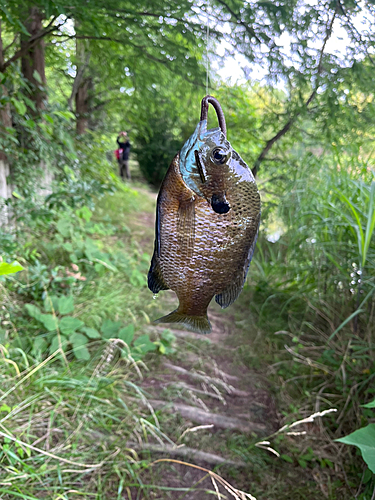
<point>48,117</point>
<point>20,106</point>
<point>91,248</point>
<point>110,328</point>
<point>64,227</point>
<point>68,324</point>
<point>18,196</point>
<point>22,28</point>
<point>30,123</point>
<point>55,344</point>
<point>39,345</point>
<point>68,246</point>
<point>143,344</point>
<point>369,405</point>
<point>126,334</point>
<point>287,458</point>
<point>168,336</point>
<point>5,408</point>
<point>364,439</point>
<point>51,303</point>
<point>29,102</point>
<point>49,321</point>
<point>33,311</point>
<point>37,77</point>
<point>7,14</point>
<point>84,213</point>
<point>90,332</point>
<point>11,268</point>
<point>67,115</point>
<point>66,305</point>
<point>78,339</point>
<point>81,353</point>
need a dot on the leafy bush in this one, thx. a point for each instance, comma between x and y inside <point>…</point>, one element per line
<point>61,330</point>
<point>155,150</point>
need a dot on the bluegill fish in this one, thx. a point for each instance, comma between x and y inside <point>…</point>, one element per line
<point>207,221</point>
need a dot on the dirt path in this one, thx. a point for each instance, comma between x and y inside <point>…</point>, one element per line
<point>205,395</point>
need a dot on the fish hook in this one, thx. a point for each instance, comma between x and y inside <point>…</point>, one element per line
<point>208,99</point>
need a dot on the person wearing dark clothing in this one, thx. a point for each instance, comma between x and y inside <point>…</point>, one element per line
<point>123,160</point>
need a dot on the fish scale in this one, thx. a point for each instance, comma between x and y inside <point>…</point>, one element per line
<point>208,214</point>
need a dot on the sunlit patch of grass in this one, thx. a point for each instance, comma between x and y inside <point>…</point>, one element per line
<point>115,297</point>
<point>66,431</point>
<point>124,201</point>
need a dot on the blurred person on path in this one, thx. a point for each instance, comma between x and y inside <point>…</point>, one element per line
<point>123,154</point>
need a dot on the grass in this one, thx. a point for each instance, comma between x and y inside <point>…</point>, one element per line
<point>75,430</point>
<point>50,422</point>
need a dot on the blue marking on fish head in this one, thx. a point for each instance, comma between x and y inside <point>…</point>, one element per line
<point>188,164</point>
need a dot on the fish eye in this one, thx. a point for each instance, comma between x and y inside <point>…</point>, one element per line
<point>219,156</point>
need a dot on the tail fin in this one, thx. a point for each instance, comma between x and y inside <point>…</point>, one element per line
<point>198,324</point>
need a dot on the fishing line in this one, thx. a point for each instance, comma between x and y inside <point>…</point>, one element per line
<point>207,38</point>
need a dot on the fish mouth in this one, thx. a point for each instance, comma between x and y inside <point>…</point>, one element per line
<point>219,204</point>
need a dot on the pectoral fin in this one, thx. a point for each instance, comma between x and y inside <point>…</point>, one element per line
<point>186,226</point>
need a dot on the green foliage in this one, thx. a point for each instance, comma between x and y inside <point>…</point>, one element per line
<point>364,439</point>
<point>11,268</point>
<point>61,330</point>
<point>156,151</point>
<point>165,116</point>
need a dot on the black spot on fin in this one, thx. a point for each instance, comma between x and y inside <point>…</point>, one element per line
<point>230,294</point>
<point>219,204</point>
<point>186,227</point>
<point>198,324</point>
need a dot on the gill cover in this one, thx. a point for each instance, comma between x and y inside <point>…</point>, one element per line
<point>188,162</point>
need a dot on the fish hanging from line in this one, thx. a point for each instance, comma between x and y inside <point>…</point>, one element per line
<point>207,222</point>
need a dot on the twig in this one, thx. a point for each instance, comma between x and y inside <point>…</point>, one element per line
<point>184,451</point>
<point>291,121</point>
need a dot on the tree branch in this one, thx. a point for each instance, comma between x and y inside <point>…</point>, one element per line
<point>78,80</point>
<point>288,125</point>
<point>28,45</point>
<point>353,29</point>
<point>142,48</point>
<point>11,43</point>
<point>248,29</point>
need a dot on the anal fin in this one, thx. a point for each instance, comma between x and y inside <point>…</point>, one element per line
<point>230,294</point>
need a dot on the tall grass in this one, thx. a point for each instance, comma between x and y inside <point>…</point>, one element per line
<point>64,430</point>
<point>314,288</point>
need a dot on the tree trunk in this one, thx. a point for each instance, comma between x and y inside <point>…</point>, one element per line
<point>82,106</point>
<point>33,62</point>
<point>82,86</point>
<point>5,123</point>
<point>33,70</point>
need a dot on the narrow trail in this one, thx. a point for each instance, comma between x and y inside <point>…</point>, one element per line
<point>204,384</point>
